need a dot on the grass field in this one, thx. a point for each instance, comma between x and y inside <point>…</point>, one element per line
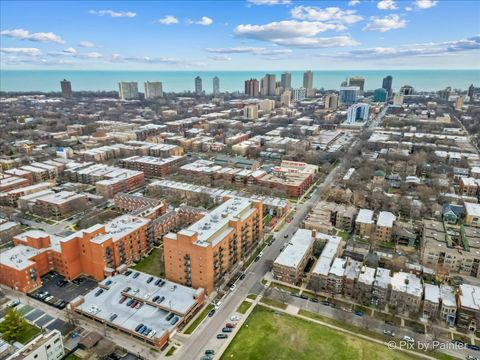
<point>244,306</point>
<point>267,335</point>
<point>152,264</point>
<point>199,319</point>
<point>273,302</point>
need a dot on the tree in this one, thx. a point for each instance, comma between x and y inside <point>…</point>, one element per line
<point>12,326</point>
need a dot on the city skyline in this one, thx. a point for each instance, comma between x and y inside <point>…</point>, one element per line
<point>274,34</point>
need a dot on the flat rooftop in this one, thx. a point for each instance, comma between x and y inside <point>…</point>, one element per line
<point>470,297</point>
<point>296,248</point>
<point>407,283</point>
<point>365,216</point>
<point>18,257</point>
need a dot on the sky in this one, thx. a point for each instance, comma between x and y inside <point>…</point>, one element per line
<point>240,35</point>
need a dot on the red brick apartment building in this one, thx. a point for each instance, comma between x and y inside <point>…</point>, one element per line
<point>97,251</point>
<point>153,166</point>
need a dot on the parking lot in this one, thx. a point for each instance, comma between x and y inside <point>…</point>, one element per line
<point>58,292</point>
<point>139,304</point>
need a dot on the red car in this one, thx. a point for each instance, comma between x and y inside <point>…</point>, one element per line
<point>122,299</point>
<point>134,304</point>
<point>229,325</point>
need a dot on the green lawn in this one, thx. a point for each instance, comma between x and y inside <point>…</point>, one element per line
<point>153,264</point>
<point>267,335</point>
<point>244,306</point>
<point>199,319</point>
<point>28,334</point>
<point>252,296</point>
<point>72,356</point>
<point>171,351</point>
<point>273,302</point>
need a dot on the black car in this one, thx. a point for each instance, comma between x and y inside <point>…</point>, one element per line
<point>150,279</point>
<point>211,313</point>
<point>127,273</point>
<point>473,347</point>
<point>158,282</point>
<point>139,326</point>
<point>62,283</point>
<point>127,289</point>
<point>99,292</point>
<point>137,274</point>
<point>170,316</point>
<point>388,322</point>
<point>314,300</point>
<point>155,298</point>
<point>222,336</point>
<point>242,277</point>
<point>325,302</point>
<point>304,297</point>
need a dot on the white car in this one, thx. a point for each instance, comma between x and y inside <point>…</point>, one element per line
<point>261,254</point>
<point>233,287</point>
<point>234,318</point>
<point>147,295</point>
<point>217,305</point>
<point>408,339</point>
<point>152,333</point>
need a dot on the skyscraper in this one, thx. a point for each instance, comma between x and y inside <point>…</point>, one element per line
<point>387,84</point>
<point>349,94</point>
<point>358,113</point>
<point>66,89</point>
<point>286,82</point>
<point>299,94</point>
<point>153,90</point>
<point>308,83</point>
<point>267,87</point>
<point>331,102</point>
<point>216,85</point>
<point>127,90</point>
<point>285,98</point>
<point>251,87</point>
<point>198,85</point>
<point>357,81</point>
<point>471,91</point>
<point>380,95</point>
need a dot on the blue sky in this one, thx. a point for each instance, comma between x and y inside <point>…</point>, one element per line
<point>240,35</point>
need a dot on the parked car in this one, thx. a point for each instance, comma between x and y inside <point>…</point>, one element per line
<point>314,300</point>
<point>209,352</point>
<point>128,272</point>
<point>359,313</point>
<point>152,333</point>
<point>388,333</point>
<point>174,320</point>
<point>170,316</point>
<point>139,326</point>
<point>99,292</point>
<point>113,317</point>
<point>62,283</point>
<point>234,318</point>
<point>242,277</point>
<point>127,289</point>
<point>229,325</point>
<point>285,236</point>
<point>211,313</point>
<point>257,258</point>
<point>157,282</point>
<point>135,302</point>
<point>222,336</point>
<point>227,330</point>
<point>155,298</point>
<point>160,299</point>
<point>108,282</point>
<point>14,303</point>
<point>136,275</point>
<point>408,339</point>
<point>150,279</point>
<point>139,305</point>
<point>233,287</point>
<point>130,301</point>
<point>473,347</point>
<point>325,302</point>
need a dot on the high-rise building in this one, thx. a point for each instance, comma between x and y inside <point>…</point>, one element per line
<point>459,103</point>
<point>286,82</point>
<point>66,88</point>
<point>407,90</point>
<point>357,81</point>
<point>299,94</point>
<point>387,84</point>
<point>251,87</point>
<point>153,90</point>
<point>128,90</point>
<point>349,94</point>
<point>203,253</point>
<point>471,91</point>
<point>216,85</point>
<point>308,83</point>
<point>358,113</point>
<point>398,99</point>
<point>267,87</point>
<point>285,98</point>
<point>251,111</point>
<point>198,85</point>
<point>266,105</point>
<point>380,95</point>
<point>331,102</point>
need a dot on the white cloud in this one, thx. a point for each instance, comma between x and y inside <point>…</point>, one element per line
<point>387,23</point>
<point>220,57</point>
<point>70,50</point>
<point>249,50</point>
<point>91,55</point>
<point>408,8</point>
<point>425,4</point>
<point>22,51</point>
<point>154,60</point>
<point>295,33</point>
<point>114,14</point>
<point>23,34</point>
<point>329,14</point>
<point>423,49</point>
<point>204,21</point>
<point>353,2</point>
<point>269,2</point>
<point>86,44</point>
<point>387,5</point>
<point>167,20</point>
